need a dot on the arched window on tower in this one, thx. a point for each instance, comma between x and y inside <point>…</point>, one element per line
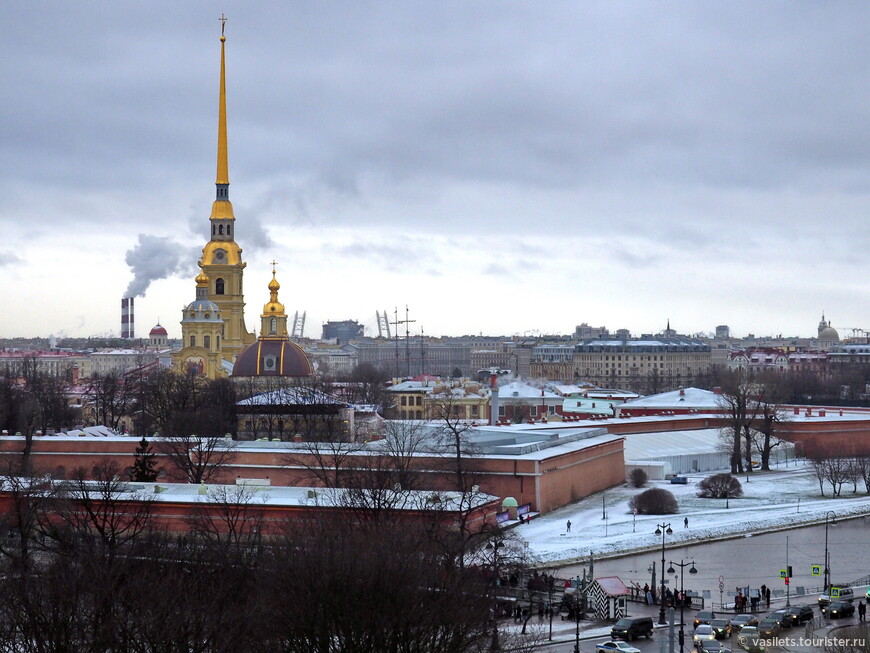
<point>221,230</point>
<point>273,325</point>
<point>229,230</point>
<point>219,287</point>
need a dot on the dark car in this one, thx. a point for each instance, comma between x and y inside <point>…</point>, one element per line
<point>741,620</point>
<point>712,647</point>
<point>721,628</point>
<point>769,627</point>
<point>781,617</point>
<point>798,614</point>
<point>632,627</point>
<point>839,609</point>
<point>679,480</point>
<point>703,617</point>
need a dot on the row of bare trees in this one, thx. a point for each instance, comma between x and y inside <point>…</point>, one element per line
<point>86,567</point>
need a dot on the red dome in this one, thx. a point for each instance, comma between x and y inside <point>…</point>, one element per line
<point>272,358</point>
<point>158,331</point>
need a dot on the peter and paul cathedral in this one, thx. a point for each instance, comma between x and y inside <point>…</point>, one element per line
<point>220,281</point>
<point>215,340</point>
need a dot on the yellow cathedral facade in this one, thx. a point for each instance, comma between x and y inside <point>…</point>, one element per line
<point>215,341</point>
<point>213,337</point>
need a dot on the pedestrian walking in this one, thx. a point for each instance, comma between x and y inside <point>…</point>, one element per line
<point>686,522</point>
<point>569,525</point>
<point>767,597</point>
<point>862,611</point>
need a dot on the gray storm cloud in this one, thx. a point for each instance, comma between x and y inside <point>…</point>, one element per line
<point>153,258</point>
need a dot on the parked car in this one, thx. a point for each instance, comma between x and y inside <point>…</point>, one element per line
<point>721,628</point>
<point>750,639</point>
<point>839,609</point>
<point>617,647</point>
<point>742,620</point>
<point>798,614</point>
<point>703,633</point>
<point>837,593</point>
<point>704,617</point>
<point>632,627</point>
<point>679,480</point>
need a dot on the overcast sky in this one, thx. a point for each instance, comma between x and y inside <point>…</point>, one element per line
<point>500,167</point>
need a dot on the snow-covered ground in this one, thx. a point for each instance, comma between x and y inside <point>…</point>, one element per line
<point>785,497</point>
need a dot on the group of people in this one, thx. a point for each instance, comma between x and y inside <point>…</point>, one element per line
<point>753,598</point>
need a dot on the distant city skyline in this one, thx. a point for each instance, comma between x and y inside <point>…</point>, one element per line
<point>501,168</point>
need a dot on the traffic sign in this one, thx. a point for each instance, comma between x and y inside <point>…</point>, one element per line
<point>783,573</point>
<point>835,592</point>
<point>816,570</point>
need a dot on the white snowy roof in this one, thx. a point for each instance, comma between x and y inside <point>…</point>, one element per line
<point>516,389</point>
<point>690,398</point>
<point>641,446</point>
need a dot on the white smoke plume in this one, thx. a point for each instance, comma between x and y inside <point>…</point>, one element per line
<point>156,257</point>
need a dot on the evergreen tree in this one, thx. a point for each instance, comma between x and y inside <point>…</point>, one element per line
<point>144,463</point>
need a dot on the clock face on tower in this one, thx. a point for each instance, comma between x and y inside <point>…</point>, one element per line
<point>220,256</point>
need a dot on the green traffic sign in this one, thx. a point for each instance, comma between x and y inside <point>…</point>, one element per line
<point>816,570</point>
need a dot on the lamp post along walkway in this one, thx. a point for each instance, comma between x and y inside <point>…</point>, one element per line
<point>663,529</point>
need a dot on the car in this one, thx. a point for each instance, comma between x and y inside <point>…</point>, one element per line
<point>837,593</point>
<point>620,647</point>
<point>867,593</point>
<point>703,633</point>
<point>721,628</point>
<point>750,640</point>
<point>632,627</point>
<point>704,617</point>
<point>769,627</point>
<point>798,614</point>
<point>712,647</point>
<point>782,617</point>
<point>742,620</point>
<point>838,609</point>
<point>679,480</point>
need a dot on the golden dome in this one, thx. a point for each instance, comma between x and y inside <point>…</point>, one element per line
<point>273,306</point>
<point>222,209</point>
<point>201,279</point>
<point>273,284</point>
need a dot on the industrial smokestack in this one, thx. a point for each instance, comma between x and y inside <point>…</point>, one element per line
<point>127,321</point>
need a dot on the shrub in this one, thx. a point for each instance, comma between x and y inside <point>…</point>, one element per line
<point>655,501</point>
<point>637,477</point>
<point>720,486</point>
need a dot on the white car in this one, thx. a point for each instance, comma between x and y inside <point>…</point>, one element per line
<point>621,647</point>
<point>704,633</point>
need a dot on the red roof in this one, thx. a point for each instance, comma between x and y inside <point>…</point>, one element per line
<point>158,331</point>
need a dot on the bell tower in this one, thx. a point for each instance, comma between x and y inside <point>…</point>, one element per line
<point>222,257</point>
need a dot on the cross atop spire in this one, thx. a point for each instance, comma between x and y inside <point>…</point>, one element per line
<point>223,19</point>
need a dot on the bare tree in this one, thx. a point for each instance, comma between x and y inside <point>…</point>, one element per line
<point>232,517</point>
<point>110,399</point>
<point>199,459</point>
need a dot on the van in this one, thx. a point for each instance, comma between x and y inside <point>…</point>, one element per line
<point>632,627</point>
<point>837,593</point>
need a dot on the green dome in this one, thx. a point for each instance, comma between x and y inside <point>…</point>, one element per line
<point>509,502</point>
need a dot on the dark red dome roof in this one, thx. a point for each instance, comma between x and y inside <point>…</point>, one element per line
<point>276,357</point>
<point>158,331</point>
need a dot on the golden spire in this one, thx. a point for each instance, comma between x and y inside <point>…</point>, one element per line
<point>222,209</point>
<point>223,173</point>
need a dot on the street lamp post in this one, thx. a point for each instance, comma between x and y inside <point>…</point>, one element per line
<point>493,546</point>
<point>663,529</point>
<point>833,520</point>
<point>682,565</point>
<point>576,621</point>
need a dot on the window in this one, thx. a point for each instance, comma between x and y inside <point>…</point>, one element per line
<point>219,287</point>
<point>193,341</point>
<point>404,401</point>
<point>206,342</point>
<point>533,411</point>
<point>501,411</point>
<point>273,325</point>
<point>419,401</point>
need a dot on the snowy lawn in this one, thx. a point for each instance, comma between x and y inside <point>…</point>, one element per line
<point>782,498</point>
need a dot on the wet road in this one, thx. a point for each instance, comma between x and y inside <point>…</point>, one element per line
<point>752,561</point>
